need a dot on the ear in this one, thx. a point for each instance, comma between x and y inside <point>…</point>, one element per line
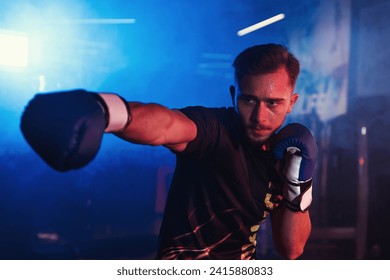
<point>293,100</point>
<point>232,90</point>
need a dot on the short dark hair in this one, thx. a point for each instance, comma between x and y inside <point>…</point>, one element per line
<point>263,59</point>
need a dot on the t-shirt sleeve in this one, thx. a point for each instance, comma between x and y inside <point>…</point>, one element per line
<point>208,131</point>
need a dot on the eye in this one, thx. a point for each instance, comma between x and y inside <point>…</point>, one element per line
<point>272,102</point>
<point>247,99</point>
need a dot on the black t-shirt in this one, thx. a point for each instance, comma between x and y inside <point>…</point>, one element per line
<point>219,192</point>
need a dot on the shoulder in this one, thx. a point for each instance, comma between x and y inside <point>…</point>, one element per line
<point>215,128</point>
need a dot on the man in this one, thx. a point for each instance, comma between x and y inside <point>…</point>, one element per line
<point>232,170</point>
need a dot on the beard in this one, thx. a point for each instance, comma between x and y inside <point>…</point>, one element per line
<point>259,134</point>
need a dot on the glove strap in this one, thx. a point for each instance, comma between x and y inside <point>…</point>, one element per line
<point>118,115</point>
<point>301,202</point>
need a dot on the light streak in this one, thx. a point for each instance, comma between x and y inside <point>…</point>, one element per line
<point>260,24</point>
<point>97,21</point>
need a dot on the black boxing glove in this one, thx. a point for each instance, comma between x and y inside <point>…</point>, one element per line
<point>295,150</point>
<point>66,128</point>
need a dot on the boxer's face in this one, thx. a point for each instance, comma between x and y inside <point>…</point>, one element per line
<point>262,102</point>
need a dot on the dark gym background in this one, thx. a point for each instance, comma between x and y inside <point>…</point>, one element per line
<point>179,53</point>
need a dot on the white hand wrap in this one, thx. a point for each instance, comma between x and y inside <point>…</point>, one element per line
<point>118,112</point>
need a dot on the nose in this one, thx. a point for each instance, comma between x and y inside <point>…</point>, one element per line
<point>260,113</point>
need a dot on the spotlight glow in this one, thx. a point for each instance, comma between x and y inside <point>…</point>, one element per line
<point>260,24</point>
<point>13,50</point>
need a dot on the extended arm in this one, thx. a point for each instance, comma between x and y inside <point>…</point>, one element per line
<point>66,128</point>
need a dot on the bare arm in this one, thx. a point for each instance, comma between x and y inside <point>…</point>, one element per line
<point>154,124</point>
<point>290,231</point>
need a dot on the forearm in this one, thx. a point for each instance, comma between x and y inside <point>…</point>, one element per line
<point>290,231</point>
